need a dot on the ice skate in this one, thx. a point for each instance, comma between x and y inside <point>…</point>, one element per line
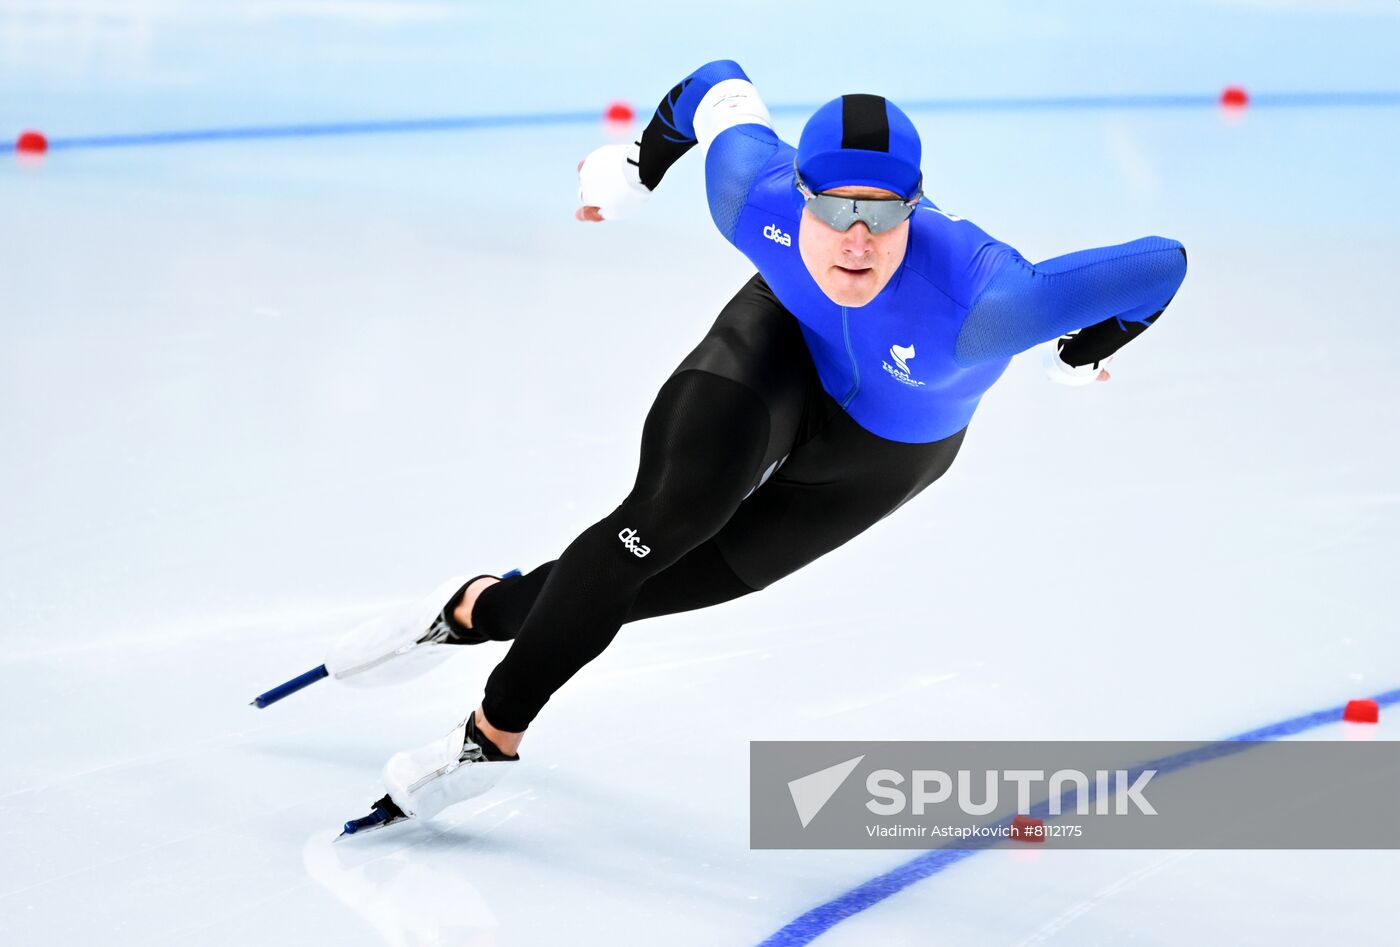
<point>421,783</point>
<point>399,644</point>
<point>395,646</point>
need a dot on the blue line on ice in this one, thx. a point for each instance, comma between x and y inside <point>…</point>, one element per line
<point>467,122</point>
<point>822,918</point>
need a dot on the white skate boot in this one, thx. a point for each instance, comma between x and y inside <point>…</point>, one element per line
<point>404,642</point>
<point>412,634</point>
<point>423,782</point>
<point>461,765</point>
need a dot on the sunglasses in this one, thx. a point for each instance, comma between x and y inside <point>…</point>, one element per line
<point>841,213</point>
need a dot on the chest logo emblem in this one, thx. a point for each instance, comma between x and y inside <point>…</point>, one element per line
<point>901,355</point>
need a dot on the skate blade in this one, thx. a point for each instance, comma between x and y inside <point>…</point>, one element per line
<point>365,830</point>
<point>268,698</point>
<point>384,814</point>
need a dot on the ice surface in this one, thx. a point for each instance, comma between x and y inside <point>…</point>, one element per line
<point>250,391</point>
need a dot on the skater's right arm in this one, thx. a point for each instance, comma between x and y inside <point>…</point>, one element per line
<point>616,180</point>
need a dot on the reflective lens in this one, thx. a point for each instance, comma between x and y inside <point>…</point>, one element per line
<point>841,213</point>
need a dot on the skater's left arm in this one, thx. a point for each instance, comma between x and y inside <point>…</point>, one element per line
<point>1109,294</point>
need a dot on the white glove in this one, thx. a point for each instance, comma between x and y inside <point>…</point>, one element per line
<point>1061,371</point>
<point>608,182</point>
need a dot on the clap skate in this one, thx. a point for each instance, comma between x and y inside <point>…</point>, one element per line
<point>393,647</point>
<point>423,782</point>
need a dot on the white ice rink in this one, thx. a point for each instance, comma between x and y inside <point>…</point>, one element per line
<point>250,390</point>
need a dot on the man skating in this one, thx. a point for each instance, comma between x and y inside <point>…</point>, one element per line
<point>835,386</point>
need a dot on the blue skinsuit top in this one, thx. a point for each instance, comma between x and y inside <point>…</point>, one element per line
<point>913,364</point>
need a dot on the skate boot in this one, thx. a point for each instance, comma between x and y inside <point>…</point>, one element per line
<point>400,644</point>
<point>408,633</point>
<point>463,764</point>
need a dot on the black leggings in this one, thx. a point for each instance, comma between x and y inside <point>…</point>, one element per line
<point>749,470</point>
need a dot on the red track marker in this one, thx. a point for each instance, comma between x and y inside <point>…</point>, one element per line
<point>32,143</point>
<point>620,112</point>
<point>1234,97</point>
<point>1362,711</point>
<point>1026,829</point>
